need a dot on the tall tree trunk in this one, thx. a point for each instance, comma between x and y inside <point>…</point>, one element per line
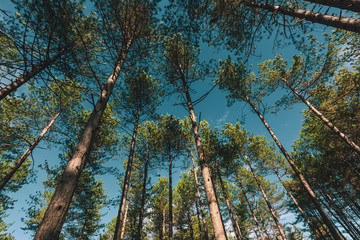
<point>28,75</point>
<point>143,194</point>
<point>122,233</point>
<point>313,197</point>
<point>352,5</point>
<point>170,196</point>
<point>120,216</point>
<point>218,202</point>
<point>206,234</point>
<point>22,159</point>
<point>163,232</point>
<point>349,24</point>
<point>277,223</point>
<point>54,217</point>
<point>327,122</point>
<point>229,206</point>
<point>209,188</point>
<point>190,226</point>
<point>199,219</point>
<point>262,220</point>
<point>295,202</point>
<point>250,207</point>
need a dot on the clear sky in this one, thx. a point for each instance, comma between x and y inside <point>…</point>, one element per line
<point>213,109</point>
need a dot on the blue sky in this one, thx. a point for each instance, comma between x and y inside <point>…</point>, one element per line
<point>213,109</point>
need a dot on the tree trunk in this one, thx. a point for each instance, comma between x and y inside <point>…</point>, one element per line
<point>170,196</point>
<point>302,179</point>
<point>278,226</point>
<point>54,217</point>
<point>163,232</point>
<point>120,216</point>
<point>352,5</point>
<point>22,159</point>
<point>13,86</point>
<point>251,209</point>
<point>295,202</point>
<point>260,216</point>
<point>206,234</point>
<point>209,188</point>
<point>122,233</point>
<point>329,124</point>
<point>229,206</point>
<point>190,226</point>
<point>349,24</point>
<point>143,194</point>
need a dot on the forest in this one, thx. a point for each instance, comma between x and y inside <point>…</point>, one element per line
<point>179,119</point>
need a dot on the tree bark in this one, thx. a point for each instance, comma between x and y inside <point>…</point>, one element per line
<point>122,233</point>
<point>329,124</point>
<point>143,194</point>
<point>170,196</point>
<point>54,217</point>
<point>22,159</point>
<point>209,188</point>
<point>302,179</point>
<point>250,207</point>
<point>206,234</point>
<point>352,5</point>
<point>349,24</point>
<point>13,86</point>
<point>163,232</point>
<point>277,223</point>
<point>120,216</point>
<point>229,206</point>
<point>295,202</point>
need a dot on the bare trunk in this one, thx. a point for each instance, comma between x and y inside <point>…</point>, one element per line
<point>302,179</point>
<point>120,216</point>
<point>260,216</point>
<point>352,5</point>
<point>190,226</point>
<point>229,206</point>
<point>295,202</point>
<point>125,216</point>
<point>251,209</point>
<point>267,201</point>
<point>349,24</point>
<point>22,159</point>
<point>12,87</point>
<point>209,188</point>
<point>54,217</point>
<point>206,234</point>
<point>170,196</point>
<point>329,124</point>
<point>141,216</point>
<point>163,232</point>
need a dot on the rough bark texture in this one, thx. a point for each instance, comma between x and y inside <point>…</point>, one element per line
<point>143,194</point>
<point>250,207</point>
<point>209,188</point>
<point>340,134</point>
<point>352,5</point>
<point>125,216</point>
<point>349,24</point>
<point>22,159</point>
<point>302,179</point>
<point>162,236</point>
<point>229,206</point>
<point>206,234</point>
<point>120,216</point>
<point>30,74</point>
<point>54,217</point>
<point>277,223</point>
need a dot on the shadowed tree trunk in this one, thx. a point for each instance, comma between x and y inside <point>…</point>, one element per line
<point>329,124</point>
<point>277,223</point>
<point>352,5</point>
<point>54,217</point>
<point>170,196</point>
<point>311,193</point>
<point>22,159</point>
<point>143,194</point>
<point>13,86</point>
<point>120,216</point>
<point>206,234</point>
<point>250,207</point>
<point>349,24</point>
<point>125,216</point>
